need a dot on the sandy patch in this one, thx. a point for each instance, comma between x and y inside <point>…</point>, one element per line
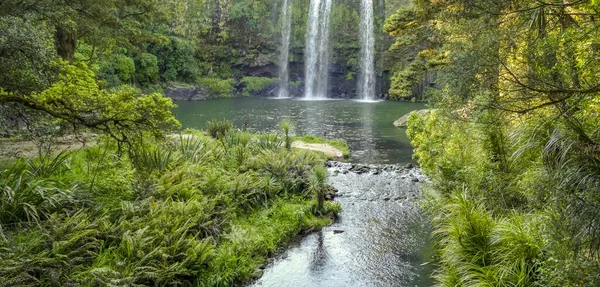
<point>327,149</point>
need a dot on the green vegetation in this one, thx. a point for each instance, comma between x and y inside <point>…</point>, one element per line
<point>218,129</point>
<point>287,126</point>
<point>191,210</point>
<point>256,84</point>
<point>149,43</point>
<point>512,145</point>
<point>219,88</point>
<point>339,144</point>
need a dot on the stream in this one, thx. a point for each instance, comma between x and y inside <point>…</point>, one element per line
<point>381,238</point>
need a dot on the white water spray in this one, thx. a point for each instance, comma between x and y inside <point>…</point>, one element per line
<point>317,50</point>
<point>286,27</point>
<point>366,82</point>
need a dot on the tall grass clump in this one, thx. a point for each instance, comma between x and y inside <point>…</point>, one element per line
<point>218,128</point>
<point>287,126</point>
<point>317,179</point>
<point>512,219</point>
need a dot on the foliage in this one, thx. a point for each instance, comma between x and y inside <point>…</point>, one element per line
<point>515,133</point>
<point>317,179</point>
<point>26,55</point>
<point>287,126</point>
<point>218,87</point>
<point>76,99</point>
<point>146,69</point>
<point>172,212</point>
<point>530,211</point>
<point>256,84</point>
<point>218,129</point>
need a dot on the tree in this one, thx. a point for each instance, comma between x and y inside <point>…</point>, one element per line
<point>75,99</point>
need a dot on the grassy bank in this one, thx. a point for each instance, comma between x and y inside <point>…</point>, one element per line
<point>189,211</point>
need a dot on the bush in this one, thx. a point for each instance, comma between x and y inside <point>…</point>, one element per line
<point>287,126</point>
<point>506,222</point>
<point>218,87</point>
<point>146,69</point>
<point>218,129</point>
<point>256,84</point>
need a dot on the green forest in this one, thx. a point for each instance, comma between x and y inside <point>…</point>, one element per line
<point>510,144</point>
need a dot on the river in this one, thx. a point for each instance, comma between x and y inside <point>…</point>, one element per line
<point>381,238</point>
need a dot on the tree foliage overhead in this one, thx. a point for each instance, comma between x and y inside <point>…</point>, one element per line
<point>47,80</point>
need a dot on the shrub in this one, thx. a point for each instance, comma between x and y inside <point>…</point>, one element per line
<point>286,126</point>
<point>216,209</point>
<point>218,129</point>
<point>256,84</point>
<point>222,88</point>
<point>317,179</point>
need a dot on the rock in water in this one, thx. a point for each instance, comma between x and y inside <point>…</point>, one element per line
<point>401,122</point>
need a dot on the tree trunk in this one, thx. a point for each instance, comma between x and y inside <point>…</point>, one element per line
<point>66,43</point>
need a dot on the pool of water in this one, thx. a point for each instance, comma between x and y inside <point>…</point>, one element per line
<point>366,126</point>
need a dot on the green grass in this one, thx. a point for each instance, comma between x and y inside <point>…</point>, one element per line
<point>336,143</point>
<point>189,211</point>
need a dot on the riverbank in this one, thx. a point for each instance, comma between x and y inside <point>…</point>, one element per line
<point>189,211</point>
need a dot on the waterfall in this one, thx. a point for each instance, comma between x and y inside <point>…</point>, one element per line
<point>286,27</point>
<point>317,50</point>
<point>366,82</point>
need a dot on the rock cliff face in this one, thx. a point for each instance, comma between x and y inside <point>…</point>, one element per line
<point>251,50</point>
<point>185,92</point>
<point>344,51</point>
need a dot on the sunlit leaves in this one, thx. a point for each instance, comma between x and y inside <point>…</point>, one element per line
<point>76,99</point>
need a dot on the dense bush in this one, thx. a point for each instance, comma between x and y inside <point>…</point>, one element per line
<point>218,87</point>
<point>256,84</point>
<point>516,225</point>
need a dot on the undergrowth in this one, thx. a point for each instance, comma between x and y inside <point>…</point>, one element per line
<point>191,211</point>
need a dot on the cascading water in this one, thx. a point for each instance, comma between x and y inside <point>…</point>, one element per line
<point>286,27</point>
<point>317,50</point>
<point>366,83</point>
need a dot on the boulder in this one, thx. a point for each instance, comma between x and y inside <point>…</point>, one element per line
<point>186,92</point>
<point>401,122</point>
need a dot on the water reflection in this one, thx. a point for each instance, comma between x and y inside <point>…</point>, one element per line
<point>319,257</point>
<point>368,145</point>
<point>384,241</point>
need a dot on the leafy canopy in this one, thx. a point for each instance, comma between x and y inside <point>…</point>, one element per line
<point>76,99</point>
